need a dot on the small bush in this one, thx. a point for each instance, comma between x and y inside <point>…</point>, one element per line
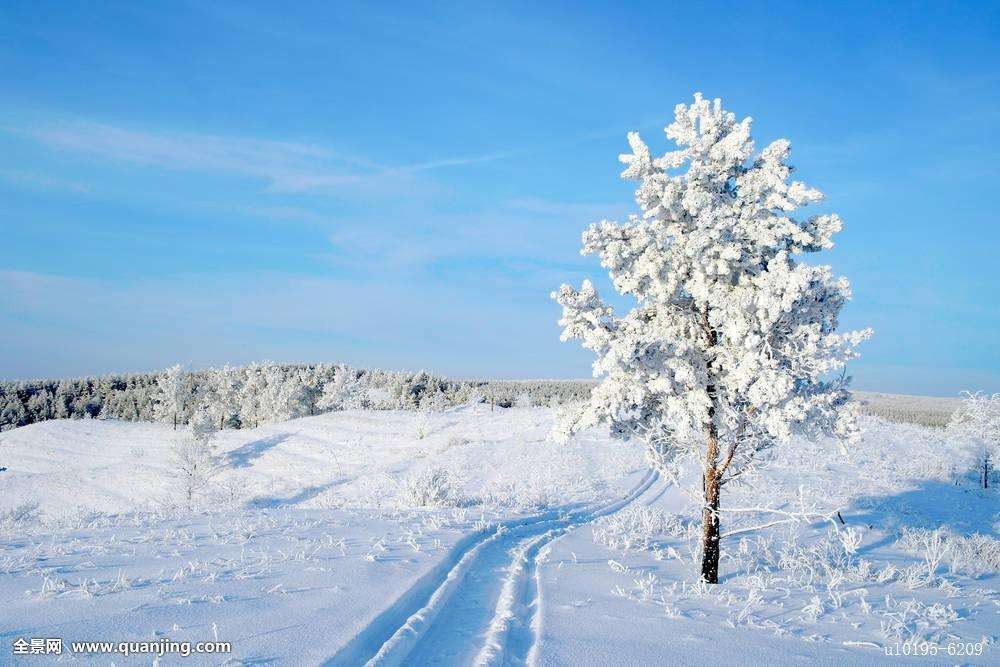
<point>973,555</point>
<point>434,487</point>
<point>20,515</point>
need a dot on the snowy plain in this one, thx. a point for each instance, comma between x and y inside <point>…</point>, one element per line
<point>317,543</point>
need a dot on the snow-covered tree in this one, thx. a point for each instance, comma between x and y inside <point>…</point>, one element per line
<point>12,411</point>
<point>343,392</point>
<point>175,393</point>
<point>434,400</point>
<point>978,420</point>
<point>63,400</point>
<point>284,395</point>
<point>733,342</point>
<point>194,454</point>
<point>250,396</point>
<point>223,386</point>
<point>313,380</point>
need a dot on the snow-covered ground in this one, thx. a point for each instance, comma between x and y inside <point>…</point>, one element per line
<point>311,546</point>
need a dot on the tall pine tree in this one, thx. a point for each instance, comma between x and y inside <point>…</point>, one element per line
<point>733,341</point>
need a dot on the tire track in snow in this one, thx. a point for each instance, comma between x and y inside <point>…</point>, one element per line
<point>516,626</point>
<point>480,605</point>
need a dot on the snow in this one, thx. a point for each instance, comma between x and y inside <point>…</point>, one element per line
<point>309,550</point>
<point>339,459</point>
<point>898,478</point>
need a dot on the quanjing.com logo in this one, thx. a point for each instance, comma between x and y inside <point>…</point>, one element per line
<point>160,647</point>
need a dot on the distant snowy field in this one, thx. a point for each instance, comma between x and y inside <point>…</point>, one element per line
<point>314,545</point>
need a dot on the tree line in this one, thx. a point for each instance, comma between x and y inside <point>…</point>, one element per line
<point>259,393</point>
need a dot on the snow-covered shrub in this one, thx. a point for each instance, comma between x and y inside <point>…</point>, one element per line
<point>195,462</point>
<point>907,620</point>
<point>518,494</point>
<point>433,487</point>
<point>19,515</point>
<point>501,494</point>
<point>810,563</point>
<point>930,544</point>
<point>973,555</point>
<point>423,425</point>
<point>637,527</point>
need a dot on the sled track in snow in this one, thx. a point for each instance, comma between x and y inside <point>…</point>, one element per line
<point>481,604</point>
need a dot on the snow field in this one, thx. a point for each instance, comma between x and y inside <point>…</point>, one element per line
<point>305,539</point>
<point>312,546</point>
<point>915,563</point>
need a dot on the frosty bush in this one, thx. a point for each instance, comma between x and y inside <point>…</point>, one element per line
<point>434,487</point>
<point>732,339</point>
<point>973,555</point>
<point>19,515</point>
<point>636,528</point>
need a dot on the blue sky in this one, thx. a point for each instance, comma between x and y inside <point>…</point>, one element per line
<point>403,186</point>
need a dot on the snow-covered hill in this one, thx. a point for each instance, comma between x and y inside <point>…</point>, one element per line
<point>311,546</point>
<point>339,459</point>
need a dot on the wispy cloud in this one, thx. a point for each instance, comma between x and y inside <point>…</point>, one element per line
<point>509,234</point>
<point>456,162</point>
<point>41,181</point>
<point>286,167</point>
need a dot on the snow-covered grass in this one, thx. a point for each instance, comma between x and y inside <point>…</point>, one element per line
<point>351,459</point>
<point>914,559</point>
<point>318,536</point>
<point>307,532</point>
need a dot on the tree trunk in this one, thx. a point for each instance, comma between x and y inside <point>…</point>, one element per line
<point>986,471</point>
<point>712,482</point>
<point>710,515</point>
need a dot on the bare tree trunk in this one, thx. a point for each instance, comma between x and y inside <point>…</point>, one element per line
<point>986,471</point>
<point>712,482</point>
<point>710,512</point>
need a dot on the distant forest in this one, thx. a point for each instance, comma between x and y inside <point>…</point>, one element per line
<point>260,393</point>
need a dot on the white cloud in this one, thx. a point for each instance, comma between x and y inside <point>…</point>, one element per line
<point>286,167</point>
